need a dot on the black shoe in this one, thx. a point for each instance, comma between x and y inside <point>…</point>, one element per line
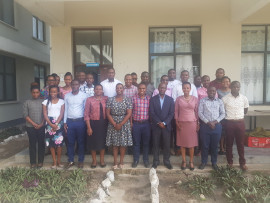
<point>222,153</point>
<point>191,168</point>
<point>155,165</point>
<point>202,166</point>
<point>215,167</point>
<point>70,164</point>
<point>134,164</point>
<point>168,165</point>
<point>103,165</point>
<point>80,165</point>
<point>93,166</point>
<point>146,164</point>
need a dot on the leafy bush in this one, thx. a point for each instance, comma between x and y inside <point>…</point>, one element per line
<point>25,185</point>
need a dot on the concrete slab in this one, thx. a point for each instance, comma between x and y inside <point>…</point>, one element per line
<point>256,158</point>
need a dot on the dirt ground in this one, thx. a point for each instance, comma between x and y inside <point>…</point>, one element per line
<point>13,147</point>
<point>130,189</point>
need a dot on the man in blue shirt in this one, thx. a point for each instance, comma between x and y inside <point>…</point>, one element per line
<point>211,112</point>
<point>74,123</point>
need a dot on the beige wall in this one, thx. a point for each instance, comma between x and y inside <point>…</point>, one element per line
<point>221,38</point>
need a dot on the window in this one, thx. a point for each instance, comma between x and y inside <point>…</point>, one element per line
<point>40,75</point>
<point>7,11</point>
<point>7,79</point>
<point>93,51</point>
<point>255,63</point>
<point>38,29</point>
<point>174,47</point>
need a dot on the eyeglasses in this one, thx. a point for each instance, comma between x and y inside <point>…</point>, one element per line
<point>51,80</point>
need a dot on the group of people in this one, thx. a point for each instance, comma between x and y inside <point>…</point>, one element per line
<point>178,114</point>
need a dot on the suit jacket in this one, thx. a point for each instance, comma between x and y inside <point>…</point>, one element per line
<point>161,115</point>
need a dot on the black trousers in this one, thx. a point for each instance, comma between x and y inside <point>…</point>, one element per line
<point>165,134</point>
<point>36,136</point>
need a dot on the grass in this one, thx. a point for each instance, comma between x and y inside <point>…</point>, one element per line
<point>237,187</point>
<point>26,185</point>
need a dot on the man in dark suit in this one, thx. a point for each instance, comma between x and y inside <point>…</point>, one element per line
<point>161,112</point>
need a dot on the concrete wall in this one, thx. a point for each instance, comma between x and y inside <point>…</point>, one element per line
<point>17,42</point>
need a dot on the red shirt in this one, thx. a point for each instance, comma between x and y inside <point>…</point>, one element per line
<point>216,84</point>
<point>140,108</point>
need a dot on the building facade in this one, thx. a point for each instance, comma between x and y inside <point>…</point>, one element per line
<point>156,35</point>
<point>24,58</point>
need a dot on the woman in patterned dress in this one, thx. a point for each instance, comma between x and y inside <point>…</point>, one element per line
<point>118,111</point>
<point>53,112</point>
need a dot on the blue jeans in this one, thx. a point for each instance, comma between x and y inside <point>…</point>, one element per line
<point>209,140</point>
<point>141,132</point>
<point>76,132</point>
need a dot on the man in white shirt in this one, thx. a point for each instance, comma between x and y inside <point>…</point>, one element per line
<point>110,83</point>
<point>172,79</point>
<point>177,90</point>
<point>236,106</point>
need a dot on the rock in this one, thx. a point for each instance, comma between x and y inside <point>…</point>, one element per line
<point>202,197</point>
<point>101,194</point>
<point>95,201</point>
<point>106,183</point>
<point>178,183</point>
<point>110,175</point>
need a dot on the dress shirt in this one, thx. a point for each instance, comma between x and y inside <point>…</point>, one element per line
<point>88,90</point>
<point>234,106</point>
<point>150,89</point>
<point>130,92</point>
<point>161,101</point>
<point>109,87</point>
<point>140,108</point>
<point>211,110</point>
<point>33,109</point>
<point>92,106</point>
<point>74,105</point>
<point>202,93</point>
<point>172,84</point>
<point>178,91</point>
<point>168,92</point>
<point>216,84</point>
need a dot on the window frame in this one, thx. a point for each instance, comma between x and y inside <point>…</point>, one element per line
<point>265,53</point>
<point>37,31</point>
<point>174,53</point>
<point>13,14</point>
<point>4,79</point>
<point>37,79</point>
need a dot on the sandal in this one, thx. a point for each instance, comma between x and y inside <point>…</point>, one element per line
<point>115,167</point>
<point>60,165</point>
<point>191,168</point>
<point>53,167</point>
<point>121,166</point>
<point>183,165</point>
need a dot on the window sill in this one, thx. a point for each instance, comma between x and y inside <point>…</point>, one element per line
<point>8,25</point>
<point>9,102</point>
<point>39,40</point>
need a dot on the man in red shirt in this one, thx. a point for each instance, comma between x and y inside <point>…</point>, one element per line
<point>217,83</point>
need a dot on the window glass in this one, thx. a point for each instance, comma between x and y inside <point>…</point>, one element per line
<point>9,65</point>
<point>160,66</point>
<point>34,20</point>
<point>10,87</point>
<point>40,30</point>
<point>252,69</point>
<point>187,39</point>
<point>87,45</point>
<point>1,64</point>
<point>7,11</point>
<point>1,87</point>
<point>268,39</point>
<point>268,79</point>
<point>107,46</point>
<point>161,40</point>
<point>42,72</point>
<point>253,38</point>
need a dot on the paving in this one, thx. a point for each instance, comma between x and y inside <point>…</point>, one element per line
<point>256,158</point>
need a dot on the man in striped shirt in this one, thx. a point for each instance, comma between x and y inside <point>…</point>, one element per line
<point>141,126</point>
<point>129,89</point>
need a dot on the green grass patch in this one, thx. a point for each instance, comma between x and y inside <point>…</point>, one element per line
<point>26,185</point>
<point>237,187</point>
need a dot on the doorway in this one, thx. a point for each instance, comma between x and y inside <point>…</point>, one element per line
<point>93,51</point>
